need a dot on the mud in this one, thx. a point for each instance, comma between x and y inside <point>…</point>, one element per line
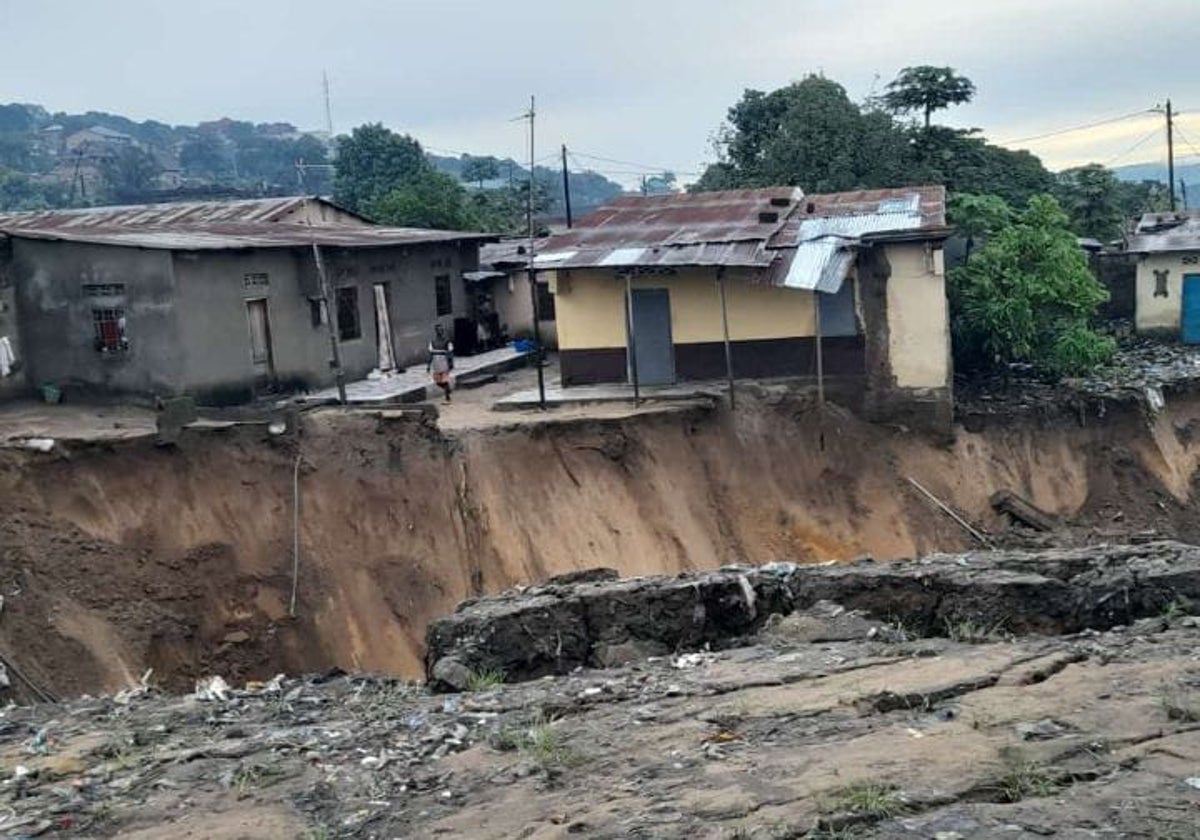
<point>123,556</point>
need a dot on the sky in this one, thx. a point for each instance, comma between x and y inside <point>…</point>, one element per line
<point>643,84</point>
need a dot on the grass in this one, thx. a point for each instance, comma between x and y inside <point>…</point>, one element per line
<point>540,742</point>
<point>972,631</point>
<point>485,680</point>
<point>250,777</point>
<point>1024,778</point>
<point>1180,704</point>
<point>871,800</point>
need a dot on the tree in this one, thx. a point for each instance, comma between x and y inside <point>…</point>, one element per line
<point>19,192</point>
<point>978,217</point>
<point>129,172</point>
<point>374,162</point>
<point>1029,296</point>
<point>661,184</point>
<point>205,155</point>
<point>1090,196</point>
<point>927,89</point>
<point>429,199</point>
<point>480,169</point>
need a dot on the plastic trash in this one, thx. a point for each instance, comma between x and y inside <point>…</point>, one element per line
<point>211,688</point>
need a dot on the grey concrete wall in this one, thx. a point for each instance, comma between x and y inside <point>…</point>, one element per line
<point>55,311</point>
<point>15,384</point>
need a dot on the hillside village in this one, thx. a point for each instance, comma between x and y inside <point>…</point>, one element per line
<point>842,488</point>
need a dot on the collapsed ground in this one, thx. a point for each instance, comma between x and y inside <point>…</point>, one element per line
<point>822,723</point>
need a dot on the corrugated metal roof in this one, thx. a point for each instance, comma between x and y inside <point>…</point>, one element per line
<point>799,241</point>
<point>161,215</point>
<point>1160,232</point>
<point>244,235</point>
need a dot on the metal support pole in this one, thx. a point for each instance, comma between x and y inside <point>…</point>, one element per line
<point>538,353</point>
<point>630,339</point>
<point>725,328</point>
<point>820,374</point>
<point>339,376</point>
<point>1171,153</point>
<point>566,186</point>
<point>295,533</point>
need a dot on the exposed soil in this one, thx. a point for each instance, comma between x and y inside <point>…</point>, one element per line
<point>122,556</point>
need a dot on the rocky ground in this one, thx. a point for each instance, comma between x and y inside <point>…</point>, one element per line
<point>821,722</point>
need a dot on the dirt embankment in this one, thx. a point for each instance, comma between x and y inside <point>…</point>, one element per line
<point>124,557</point>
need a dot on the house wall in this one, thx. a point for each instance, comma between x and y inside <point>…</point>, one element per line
<point>56,315</point>
<point>212,285</point>
<point>918,318</point>
<point>772,330</point>
<point>322,213</point>
<point>15,384</point>
<point>515,308</point>
<point>1162,314</point>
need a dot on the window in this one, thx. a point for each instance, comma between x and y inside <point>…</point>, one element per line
<point>441,288</point>
<point>347,313</point>
<point>255,282</point>
<point>104,289</point>
<point>545,302</point>
<point>108,326</point>
<point>1160,283</point>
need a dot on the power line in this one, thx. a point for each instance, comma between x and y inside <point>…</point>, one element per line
<point>1076,127</point>
<point>644,167</point>
<point>1136,145</point>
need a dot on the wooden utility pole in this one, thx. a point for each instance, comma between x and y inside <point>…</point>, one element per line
<point>725,330</point>
<point>533,296</point>
<point>328,109</point>
<point>566,186</point>
<point>1171,153</point>
<point>339,376</point>
<point>631,338</point>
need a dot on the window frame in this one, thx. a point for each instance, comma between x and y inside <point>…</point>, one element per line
<point>114,340</point>
<point>443,308</point>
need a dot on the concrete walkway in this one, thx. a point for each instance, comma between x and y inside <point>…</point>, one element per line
<point>414,384</point>
<point>582,394</point>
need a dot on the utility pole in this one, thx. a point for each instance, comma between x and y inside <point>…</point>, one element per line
<point>339,375</point>
<point>566,186</point>
<point>328,109</point>
<point>1183,194</point>
<point>1171,153</point>
<point>533,296</point>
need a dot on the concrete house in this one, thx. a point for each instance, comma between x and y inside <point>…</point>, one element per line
<point>1166,247</point>
<point>501,286</point>
<point>223,300</point>
<point>761,283</point>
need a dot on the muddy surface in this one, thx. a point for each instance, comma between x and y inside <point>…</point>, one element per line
<point>826,723</point>
<point>119,556</point>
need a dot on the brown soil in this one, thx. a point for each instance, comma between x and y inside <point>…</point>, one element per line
<point>124,556</point>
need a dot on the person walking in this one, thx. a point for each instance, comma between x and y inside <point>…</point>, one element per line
<point>441,360</point>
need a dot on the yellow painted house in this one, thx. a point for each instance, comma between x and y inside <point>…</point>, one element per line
<point>761,283</point>
<point>1167,283</point>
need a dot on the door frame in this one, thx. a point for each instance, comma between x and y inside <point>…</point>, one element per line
<point>266,311</point>
<point>629,339</point>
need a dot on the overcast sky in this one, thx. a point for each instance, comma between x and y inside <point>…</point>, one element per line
<point>644,81</point>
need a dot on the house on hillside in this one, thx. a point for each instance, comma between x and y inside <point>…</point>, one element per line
<point>761,283</point>
<point>1166,247</point>
<point>223,300</point>
<point>503,299</point>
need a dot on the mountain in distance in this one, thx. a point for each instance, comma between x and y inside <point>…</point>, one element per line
<point>1188,173</point>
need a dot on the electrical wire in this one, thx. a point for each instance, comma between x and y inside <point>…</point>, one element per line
<point>1076,128</point>
<point>1132,148</point>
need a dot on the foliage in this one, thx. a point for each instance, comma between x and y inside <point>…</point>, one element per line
<point>426,199</point>
<point>207,156</point>
<point>978,216</point>
<point>1089,195</point>
<point>1028,296</point>
<point>870,800</point>
<point>927,89</point>
<point>661,184</point>
<point>479,169</point>
<point>374,162</point>
<point>485,680</point>
<point>20,192</point>
<point>1023,778</point>
<point>128,173</point>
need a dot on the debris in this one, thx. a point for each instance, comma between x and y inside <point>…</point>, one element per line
<point>237,637</point>
<point>1006,501</point>
<point>946,509</point>
<point>690,660</point>
<point>38,444</point>
<point>211,688</point>
<point>1193,782</point>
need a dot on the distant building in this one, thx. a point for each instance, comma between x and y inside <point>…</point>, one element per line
<point>98,138</point>
<point>222,300</point>
<point>501,286</point>
<point>761,280</point>
<point>1167,249</point>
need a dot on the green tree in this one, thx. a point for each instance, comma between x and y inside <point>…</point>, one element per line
<point>927,89</point>
<point>429,199</point>
<point>128,173</point>
<point>479,169</point>
<point>374,162</point>
<point>1029,296</point>
<point>19,192</point>
<point>1090,195</point>
<point>206,155</point>
<point>978,217</point>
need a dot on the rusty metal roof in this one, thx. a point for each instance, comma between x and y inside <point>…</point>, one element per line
<point>243,235</point>
<point>164,215</point>
<point>1160,232</point>
<point>761,228</point>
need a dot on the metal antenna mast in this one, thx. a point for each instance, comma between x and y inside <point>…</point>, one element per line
<point>328,109</point>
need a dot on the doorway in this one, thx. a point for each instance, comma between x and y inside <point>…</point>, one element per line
<point>653,349</point>
<point>1190,320</point>
<point>261,355</point>
<point>385,349</point>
